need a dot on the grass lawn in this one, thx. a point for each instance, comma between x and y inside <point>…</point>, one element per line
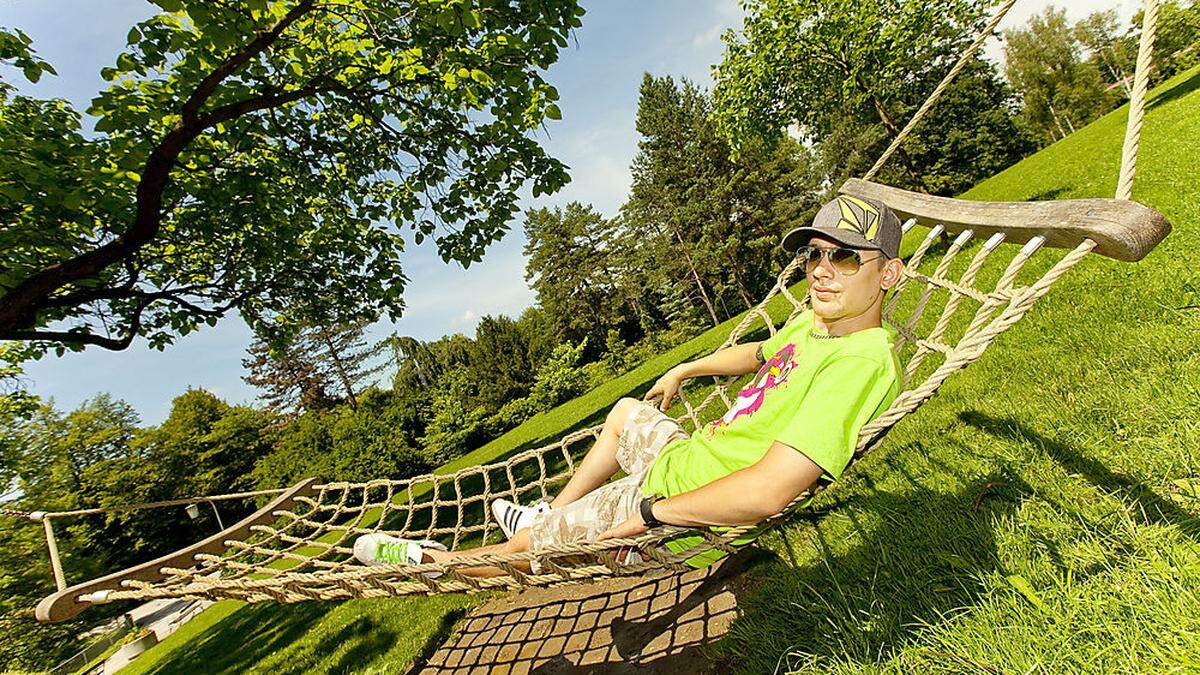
<point>1039,514</point>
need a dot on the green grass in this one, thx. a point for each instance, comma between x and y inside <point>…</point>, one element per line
<point>233,636</point>
<point>1039,514</point>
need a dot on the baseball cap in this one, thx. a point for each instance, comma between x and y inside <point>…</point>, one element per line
<point>855,222</point>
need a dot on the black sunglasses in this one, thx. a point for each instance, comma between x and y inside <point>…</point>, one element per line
<point>845,260</point>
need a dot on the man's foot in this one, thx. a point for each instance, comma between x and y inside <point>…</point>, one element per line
<point>384,549</point>
<point>512,517</point>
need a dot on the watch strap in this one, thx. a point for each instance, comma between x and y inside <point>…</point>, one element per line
<point>646,509</point>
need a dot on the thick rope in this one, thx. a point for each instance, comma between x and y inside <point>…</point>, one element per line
<point>1137,101</point>
<point>937,92</point>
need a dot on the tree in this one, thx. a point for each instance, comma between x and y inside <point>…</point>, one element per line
<point>266,156</point>
<point>57,450</point>
<point>573,263</point>
<point>287,382</point>
<point>310,365</point>
<point>1099,35</point>
<point>1177,41</point>
<point>345,356</point>
<point>1061,90</point>
<point>672,167</point>
<point>709,222</point>
<point>204,447</point>
<point>16,405</point>
<point>954,156</point>
<point>559,378</point>
<point>52,455</point>
<point>500,365</point>
<point>811,62</point>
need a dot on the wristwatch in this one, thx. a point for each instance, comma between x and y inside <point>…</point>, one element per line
<point>646,509</point>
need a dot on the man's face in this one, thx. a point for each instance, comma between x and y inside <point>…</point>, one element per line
<point>836,295</point>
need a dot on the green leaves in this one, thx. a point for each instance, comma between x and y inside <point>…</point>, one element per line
<point>15,51</point>
<point>811,61</point>
<point>269,157</point>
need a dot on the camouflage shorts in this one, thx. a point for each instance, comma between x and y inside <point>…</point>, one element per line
<point>647,431</point>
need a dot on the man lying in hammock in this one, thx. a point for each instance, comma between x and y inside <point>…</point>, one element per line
<point>820,379</point>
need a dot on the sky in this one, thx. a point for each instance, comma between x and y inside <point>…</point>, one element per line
<point>597,77</point>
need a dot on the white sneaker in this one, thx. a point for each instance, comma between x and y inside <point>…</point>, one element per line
<point>384,549</point>
<point>512,517</point>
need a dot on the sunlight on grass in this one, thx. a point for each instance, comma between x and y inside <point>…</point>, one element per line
<point>1036,515</point>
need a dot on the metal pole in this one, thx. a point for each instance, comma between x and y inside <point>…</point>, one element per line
<point>60,580</point>
<point>217,513</point>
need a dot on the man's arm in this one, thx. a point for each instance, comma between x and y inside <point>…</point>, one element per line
<point>735,360</point>
<point>743,497</point>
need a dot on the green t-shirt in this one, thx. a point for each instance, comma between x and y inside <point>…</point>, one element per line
<point>814,393</point>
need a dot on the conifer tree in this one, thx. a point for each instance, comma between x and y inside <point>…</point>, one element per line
<point>315,369</point>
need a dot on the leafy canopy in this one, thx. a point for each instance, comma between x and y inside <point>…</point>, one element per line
<point>269,157</point>
<point>808,62</point>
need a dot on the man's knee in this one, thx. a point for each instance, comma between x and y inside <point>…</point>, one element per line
<point>620,411</point>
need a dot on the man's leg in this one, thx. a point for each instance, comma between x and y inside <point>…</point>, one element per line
<point>600,463</point>
<point>518,544</point>
<point>583,520</point>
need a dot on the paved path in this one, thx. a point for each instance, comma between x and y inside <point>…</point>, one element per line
<point>656,624</point>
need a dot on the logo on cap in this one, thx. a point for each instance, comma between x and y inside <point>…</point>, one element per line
<point>858,216</point>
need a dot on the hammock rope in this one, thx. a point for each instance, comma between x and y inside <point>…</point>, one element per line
<point>301,549</point>
<point>937,92</point>
<point>1137,100</point>
<point>299,546</point>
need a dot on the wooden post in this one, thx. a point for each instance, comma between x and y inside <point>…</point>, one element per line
<point>55,564</point>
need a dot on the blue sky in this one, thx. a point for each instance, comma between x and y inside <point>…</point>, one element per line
<point>597,77</point>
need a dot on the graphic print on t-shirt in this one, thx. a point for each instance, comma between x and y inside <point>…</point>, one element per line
<point>772,374</point>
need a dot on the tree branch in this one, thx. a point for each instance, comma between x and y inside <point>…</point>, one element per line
<point>21,304</point>
<point>209,84</point>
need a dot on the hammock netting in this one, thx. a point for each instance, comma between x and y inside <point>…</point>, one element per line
<point>962,287</point>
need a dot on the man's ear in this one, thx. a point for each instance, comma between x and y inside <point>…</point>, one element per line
<point>893,271</point>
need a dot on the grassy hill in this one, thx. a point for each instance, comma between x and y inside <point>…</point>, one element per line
<point>1040,514</point>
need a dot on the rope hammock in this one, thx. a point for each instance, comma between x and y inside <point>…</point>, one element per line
<point>953,301</point>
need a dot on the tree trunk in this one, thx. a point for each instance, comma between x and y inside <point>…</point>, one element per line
<point>712,312</point>
<point>337,363</point>
<point>737,281</point>
<point>895,131</point>
<point>1057,123</point>
<point>696,276</point>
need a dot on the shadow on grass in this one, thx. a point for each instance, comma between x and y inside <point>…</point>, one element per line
<point>1157,510</point>
<point>884,567</point>
<point>246,637</point>
<point>370,640</point>
<point>1178,91</point>
<point>1049,194</point>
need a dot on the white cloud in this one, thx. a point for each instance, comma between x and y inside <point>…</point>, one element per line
<point>705,38</point>
<point>599,158</point>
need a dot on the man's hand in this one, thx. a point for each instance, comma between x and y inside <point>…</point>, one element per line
<point>631,527</point>
<point>666,388</point>
<point>735,360</point>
